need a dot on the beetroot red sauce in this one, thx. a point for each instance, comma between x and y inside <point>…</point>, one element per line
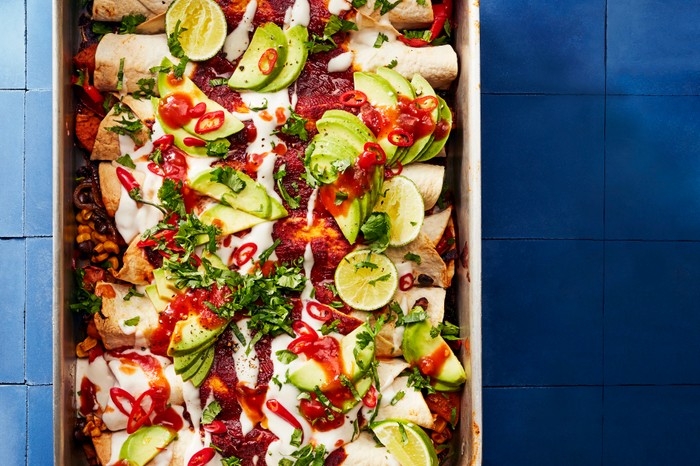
<point>88,396</point>
<point>336,458</point>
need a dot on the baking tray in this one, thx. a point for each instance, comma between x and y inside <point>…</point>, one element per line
<point>464,174</point>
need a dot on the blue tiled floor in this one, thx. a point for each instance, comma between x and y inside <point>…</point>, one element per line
<point>591,205</point>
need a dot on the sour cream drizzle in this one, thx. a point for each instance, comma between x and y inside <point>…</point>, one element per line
<point>237,41</point>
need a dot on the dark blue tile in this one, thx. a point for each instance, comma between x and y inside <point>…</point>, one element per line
<point>40,428</point>
<point>12,308</point>
<point>542,313</point>
<point>652,47</point>
<point>654,426</point>
<point>543,426</point>
<point>12,39</point>
<point>652,329</point>
<point>534,46</point>
<point>542,166</point>
<point>38,302</point>
<point>38,165</point>
<point>13,424</point>
<point>652,168</point>
<point>12,158</point>
<point>38,45</point>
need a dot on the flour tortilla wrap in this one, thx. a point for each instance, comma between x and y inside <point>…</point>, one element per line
<point>364,451</point>
<point>428,179</point>
<point>136,268</point>
<point>140,52</point>
<point>103,447</point>
<point>115,310</point>
<point>432,270</point>
<point>412,407</point>
<point>409,14</point>
<point>434,226</point>
<point>110,186</point>
<point>115,10</point>
<point>107,145</point>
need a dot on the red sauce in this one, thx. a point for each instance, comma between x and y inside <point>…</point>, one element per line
<point>251,400</point>
<point>169,418</point>
<point>174,164</point>
<point>88,396</point>
<point>353,182</point>
<point>173,109</point>
<point>442,129</point>
<point>336,458</point>
<point>431,364</point>
<point>153,369</point>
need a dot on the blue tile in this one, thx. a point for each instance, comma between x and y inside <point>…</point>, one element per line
<point>40,428</point>
<point>651,426</point>
<point>542,313</point>
<point>38,164</point>
<point>38,302</point>
<point>652,47</point>
<point>533,47</point>
<point>12,39</point>
<point>652,329</point>
<point>12,308</point>
<point>12,158</point>
<point>543,426</point>
<point>38,45</point>
<point>542,166</point>
<point>13,424</point>
<point>652,168</point>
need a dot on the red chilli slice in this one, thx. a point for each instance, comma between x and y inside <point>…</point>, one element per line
<point>275,406</point>
<point>267,61</point>
<point>117,394</point>
<point>406,282</point>
<point>427,103</point>
<point>353,98</point>
<point>244,253</point>
<point>210,122</point>
<point>370,398</point>
<point>194,142</point>
<point>304,329</point>
<point>202,457</point>
<point>400,138</point>
<point>318,311</point>
<point>216,427</point>
<point>197,111</point>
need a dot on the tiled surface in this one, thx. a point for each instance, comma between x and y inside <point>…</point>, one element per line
<point>591,226</point>
<point>574,311</point>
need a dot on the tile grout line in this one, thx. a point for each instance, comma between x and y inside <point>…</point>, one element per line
<point>605,232</point>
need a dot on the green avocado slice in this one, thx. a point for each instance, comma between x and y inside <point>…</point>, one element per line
<point>204,369</point>
<point>190,336</point>
<point>248,74</point>
<point>187,365</point>
<point>158,301</point>
<point>168,86</point>
<point>437,144</point>
<point>252,198</point>
<point>410,154</point>
<point>144,444</point>
<point>297,53</point>
<point>356,360</point>
<point>380,93</point>
<point>230,220</point>
<point>400,84</point>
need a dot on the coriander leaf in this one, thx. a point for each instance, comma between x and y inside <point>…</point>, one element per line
<point>328,328</point>
<point>409,256</point>
<point>320,44</point>
<point>385,6</point>
<point>366,265</point>
<point>146,89</point>
<point>210,412</point>
<point>229,177</point>
<point>294,202</point>
<point>218,82</point>
<point>231,461</point>
<point>297,435</point>
<point>340,196</point>
<point>174,41</point>
<point>419,381</point>
<point>218,148</point>
<point>376,231</point>
<point>128,127</point>
<point>170,195</point>
<point>129,23</point>
<point>265,255</point>
<point>336,25</point>
<point>383,278</point>
<point>126,161</point>
<point>263,106</point>
<point>179,69</point>
<point>359,3</point>
<point>120,74</point>
<point>392,64</point>
<point>381,38</point>
<point>84,300</point>
<point>132,292</point>
<point>133,322</point>
<point>101,28</point>
<point>398,397</point>
<point>285,356</point>
<point>295,126</point>
<point>416,315</point>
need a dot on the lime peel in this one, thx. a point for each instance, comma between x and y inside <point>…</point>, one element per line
<point>366,280</point>
<point>407,442</point>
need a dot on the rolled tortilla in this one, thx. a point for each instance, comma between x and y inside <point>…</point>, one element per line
<point>176,450</point>
<point>412,407</point>
<point>432,270</point>
<point>428,179</point>
<point>409,14</point>
<point>434,226</point>
<point>107,145</point>
<point>136,268</point>
<point>364,451</point>
<point>115,10</point>
<point>140,53</point>
<point>116,310</point>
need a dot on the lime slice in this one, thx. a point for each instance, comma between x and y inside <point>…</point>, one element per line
<point>407,442</point>
<point>366,280</point>
<point>404,205</point>
<point>203,24</point>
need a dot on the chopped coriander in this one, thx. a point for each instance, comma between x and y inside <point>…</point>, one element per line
<point>409,256</point>
<point>366,265</point>
<point>170,195</point>
<point>132,292</point>
<point>218,148</point>
<point>331,287</point>
<point>129,23</point>
<point>419,381</point>
<point>294,202</point>
<point>340,196</point>
<point>265,255</point>
<point>320,44</point>
<point>174,41</point>
<point>336,25</point>
<point>398,397</point>
<point>228,177</point>
<point>261,107</point>
<point>210,412</point>
<point>404,436</point>
<point>295,126</point>
<point>347,383</point>
<point>126,161</point>
<point>156,156</point>
<point>218,82</point>
<point>120,74</point>
<point>239,335</point>
<point>275,379</point>
<point>383,278</point>
<point>359,3</point>
<point>392,64</point>
<point>85,300</point>
<point>146,89</point>
<point>179,69</point>
<point>133,322</point>
<point>381,38</point>
<point>285,356</point>
<point>453,416</point>
<point>297,435</point>
<point>128,127</point>
<point>376,231</point>
<point>101,28</point>
<point>416,315</point>
<point>385,6</point>
<point>328,328</point>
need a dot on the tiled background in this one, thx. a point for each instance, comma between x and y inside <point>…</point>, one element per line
<point>591,186</point>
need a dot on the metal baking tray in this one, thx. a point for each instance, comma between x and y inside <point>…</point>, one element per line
<point>464,174</point>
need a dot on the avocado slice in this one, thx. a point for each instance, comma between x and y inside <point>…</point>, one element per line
<point>398,82</point>
<point>297,53</point>
<point>407,155</point>
<point>187,365</point>
<point>166,288</point>
<point>230,220</point>
<point>356,361</point>
<point>185,85</point>
<point>437,144</point>
<point>310,375</point>
<point>351,222</point>
<point>329,156</point>
<point>158,301</point>
<point>204,369</point>
<point>417,344</point>
<point>380,93</point>
<point>190,335</point>
<point>144,444</point>
<point>248,74</point>
<point>346,126</point>
<point>445,387</point>
<point>214,260</point>
<point>253,198</point>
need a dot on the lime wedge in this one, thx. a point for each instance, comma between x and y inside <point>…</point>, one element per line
<point>366,280</point>
<point>407,442</point>
<point>203,24</point>
<point>404,205</point>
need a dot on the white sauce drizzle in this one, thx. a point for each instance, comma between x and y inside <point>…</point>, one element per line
<point>299,13</point>
<point>99,373</point>
<point>336,7</point>
<point>340,63</point>
<point>237,41</point>
<point>245,357</point>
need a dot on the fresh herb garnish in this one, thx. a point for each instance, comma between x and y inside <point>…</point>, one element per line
<point>146,90</point>
<point>398,397</point>
<point>295,126</point>
<point>85,301</point>
<point>294,202</point>
<point>261,107</point>
<point>335,25</point>
<point>392,64</point>
<point>231,461</point>
<point>297,435</point>
<point>285,356</point>
<point>330,327</point>
<point>210,412</point>
<point>120,74</point>
<point>419,381</point>
<point>126,161</point>
<point>383,278</point>
<point>409,256</point>
<point>129,125</point>
<point>340,196</point>
<point>132,292</point>
<point>218,82</point>
<point>376,231</point>
<point>218,148</point>
<point>129,23</point>
<point>133,322</point>
<point>228,177</point>
<point>381,38</point>
<point>170,195</point>
<point>265,255</point>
